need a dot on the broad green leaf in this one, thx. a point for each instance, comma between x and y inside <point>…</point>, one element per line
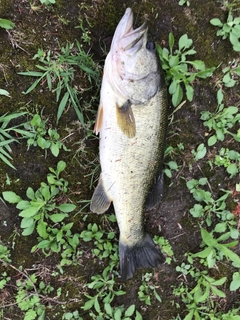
<point>208,238</point>
<point>229,254</point>
<point>219,282</point>
<point>30,193</point>
<point>177,95</point>
<point>27,222</point>
<point>216,22</point>
<point>58,217</point>
<point>130,311</point>
<point>218,292</point>
<point>184,42</point>
<point>66,207</point>
<point>42,229</point>
<point>23,205</point>
<point>4,93</point>
<point>212,140</point>
<point>6,24</point>
<point>29,230</point>
<point>11,197</point>
<point>30,212</point>
<point>61,166</point>
<point>189,92</point>
<point>235,283</point>
<point>55,149</point>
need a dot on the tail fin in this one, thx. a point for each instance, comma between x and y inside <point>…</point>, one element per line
<point>143,254</point>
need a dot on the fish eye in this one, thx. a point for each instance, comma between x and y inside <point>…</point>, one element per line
<point>150,46</point>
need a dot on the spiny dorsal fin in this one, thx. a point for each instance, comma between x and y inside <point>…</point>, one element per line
<point>99,119</point>
<point>126,120</point>
<point>100,201</point>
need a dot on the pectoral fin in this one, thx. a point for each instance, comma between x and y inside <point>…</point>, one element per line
<point>126,120</point>
<point>99,119</point>
<point>100,201</point>
<point>155,195</point>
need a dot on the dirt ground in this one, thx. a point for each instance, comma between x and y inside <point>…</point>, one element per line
<point>37,26</point>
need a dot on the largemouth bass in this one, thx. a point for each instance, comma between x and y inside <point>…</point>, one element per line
<point>131,120</point>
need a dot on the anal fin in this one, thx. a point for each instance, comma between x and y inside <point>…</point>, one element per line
<point>100,201</point>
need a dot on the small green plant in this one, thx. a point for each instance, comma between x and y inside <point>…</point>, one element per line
<point>43,214</point>
<point>104,285</point>
<point>212,209</point>
<point>200,152</point>
<point>221,121</point>
<point>230,159</point>
<point>59,73</point>
<point>43,137</point>
<point>103,243</point>
<point>6,24</point>
<point>229,29</point>
<point>177,68</point>
<point>72,316</point>
<point>214,250</point>
<point>6,138</point>
<point>4,253</point>
<point>231,73</point>
<point>166,248</point>
<point>170,165</point>
<point>117,313</point>
<point>145,288</point>
<point>28,299</point>
<point>202,293</point>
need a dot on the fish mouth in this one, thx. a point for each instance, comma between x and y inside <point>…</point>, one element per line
<point>126,37</point>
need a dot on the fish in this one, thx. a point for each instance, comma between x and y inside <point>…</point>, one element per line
<point>132,123</point>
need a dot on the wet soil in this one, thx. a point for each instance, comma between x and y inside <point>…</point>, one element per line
<point>51,27</point>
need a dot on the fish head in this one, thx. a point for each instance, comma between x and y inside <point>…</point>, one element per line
<point>132,66</point>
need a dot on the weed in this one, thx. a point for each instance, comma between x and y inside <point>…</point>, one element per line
<point>231,73</point>
<point>229,159</point>
<point>214,250</point>
<point>212,209</point>
<point>176,66</point>
<point>144,290</point>
<point>229,29</point>
<point>41,211</point>
<point>117,313</point>
<point>104,284</point>
<point>221,121</point>
<point>200,152</point>
<point>166,248</point>
<point>6,138</point>
<point>43,137</point>
<point>4,253</point>
<point>59,70</point>
<point>170,165</point>
<point>6,24</point>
